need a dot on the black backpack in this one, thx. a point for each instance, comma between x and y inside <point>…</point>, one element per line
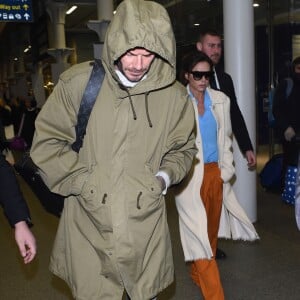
<point>54,203</point>
<point>271,174</point>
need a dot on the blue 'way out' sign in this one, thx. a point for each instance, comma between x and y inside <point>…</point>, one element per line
<point>16,11</point>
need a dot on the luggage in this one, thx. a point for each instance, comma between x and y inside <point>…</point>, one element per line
<point>289,191</point>
<point>297,196</point>
<point>18,143</point>
<point>292,173</point>
<point>271,174</point>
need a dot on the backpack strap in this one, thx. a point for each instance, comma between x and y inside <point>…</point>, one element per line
<point>87,102</point>
<point>21,125</point>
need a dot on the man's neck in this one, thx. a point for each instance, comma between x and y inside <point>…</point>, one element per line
<point>126,82</point>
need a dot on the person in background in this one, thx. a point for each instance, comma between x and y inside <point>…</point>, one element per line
<point>113,237</point>
<point>4,144</point>
<point>286,108</point>
<point>16,211</point>
<point>5,113</point>
<point>16,112</point>
<point>209,42</point>
<point>207,191</point>
<point>30,113</point>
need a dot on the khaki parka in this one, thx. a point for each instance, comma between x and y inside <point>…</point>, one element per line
<point>113,232</point>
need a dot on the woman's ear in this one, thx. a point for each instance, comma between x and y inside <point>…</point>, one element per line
<point>186,76</point>
<point>199,46</point>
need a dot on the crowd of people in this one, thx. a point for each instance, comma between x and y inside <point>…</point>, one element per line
<point>146,133</point>
<point>18,115</point>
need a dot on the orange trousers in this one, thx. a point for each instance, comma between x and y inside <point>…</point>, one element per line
<point>205,272</point>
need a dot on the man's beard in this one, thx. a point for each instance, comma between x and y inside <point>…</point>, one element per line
<point>215,58</point>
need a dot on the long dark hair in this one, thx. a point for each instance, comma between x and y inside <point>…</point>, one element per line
<point>189,61</point>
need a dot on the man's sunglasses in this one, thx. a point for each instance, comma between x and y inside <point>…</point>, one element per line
<point>197,75</point>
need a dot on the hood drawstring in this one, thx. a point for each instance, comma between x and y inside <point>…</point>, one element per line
<point>122,87</point>
<point>147,110</point>
<point>132,107</point>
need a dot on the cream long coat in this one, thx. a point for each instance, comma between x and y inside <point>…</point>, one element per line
<point>192,216</point>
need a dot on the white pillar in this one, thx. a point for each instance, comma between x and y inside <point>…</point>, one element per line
<point>20,65</point>
<point>58,49</point>
<point>57,13</point>
<point>105,10</point>
<point>240,63</point>
<point>11,69</point>
<point>104,16</point>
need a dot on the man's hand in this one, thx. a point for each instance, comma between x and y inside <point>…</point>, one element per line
<point>251,158</point>
<point>289,133</point>
<point>25,241</point>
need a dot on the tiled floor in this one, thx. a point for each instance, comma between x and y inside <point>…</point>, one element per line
<point>265,270</point>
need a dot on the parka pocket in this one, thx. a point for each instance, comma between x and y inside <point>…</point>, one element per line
<point>90,196</point>
<point>153,183</point>
<point>94,202</point>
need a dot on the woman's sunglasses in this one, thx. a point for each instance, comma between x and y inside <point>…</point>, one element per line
<point>197,75</point>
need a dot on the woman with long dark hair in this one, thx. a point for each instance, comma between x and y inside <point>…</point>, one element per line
<point>206,194</point>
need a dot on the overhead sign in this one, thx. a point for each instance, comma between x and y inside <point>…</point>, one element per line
<point>16,11</point>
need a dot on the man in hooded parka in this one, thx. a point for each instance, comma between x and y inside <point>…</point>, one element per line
<point>113,234</point>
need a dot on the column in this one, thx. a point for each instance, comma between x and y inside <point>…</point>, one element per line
<point>104,15</point>
<point>240,63</point>
<point>20,66</point>
<point>4,70</point>
<point>105,9</point>
<point>11,69</point>
<point>21,86</point>
<point>58,49</point>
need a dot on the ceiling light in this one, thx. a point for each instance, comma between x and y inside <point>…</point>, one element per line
<point>27,49</point>
<point>255,4</point>
<point>196,24</point>
<point>70,10</point>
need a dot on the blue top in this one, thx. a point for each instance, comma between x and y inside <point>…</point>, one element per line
<point>208,130</point>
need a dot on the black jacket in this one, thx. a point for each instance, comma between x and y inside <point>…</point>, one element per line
<point>238,124</point>
<point>3,141</point>
<point>286,108</point>
<point>11,198</point>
